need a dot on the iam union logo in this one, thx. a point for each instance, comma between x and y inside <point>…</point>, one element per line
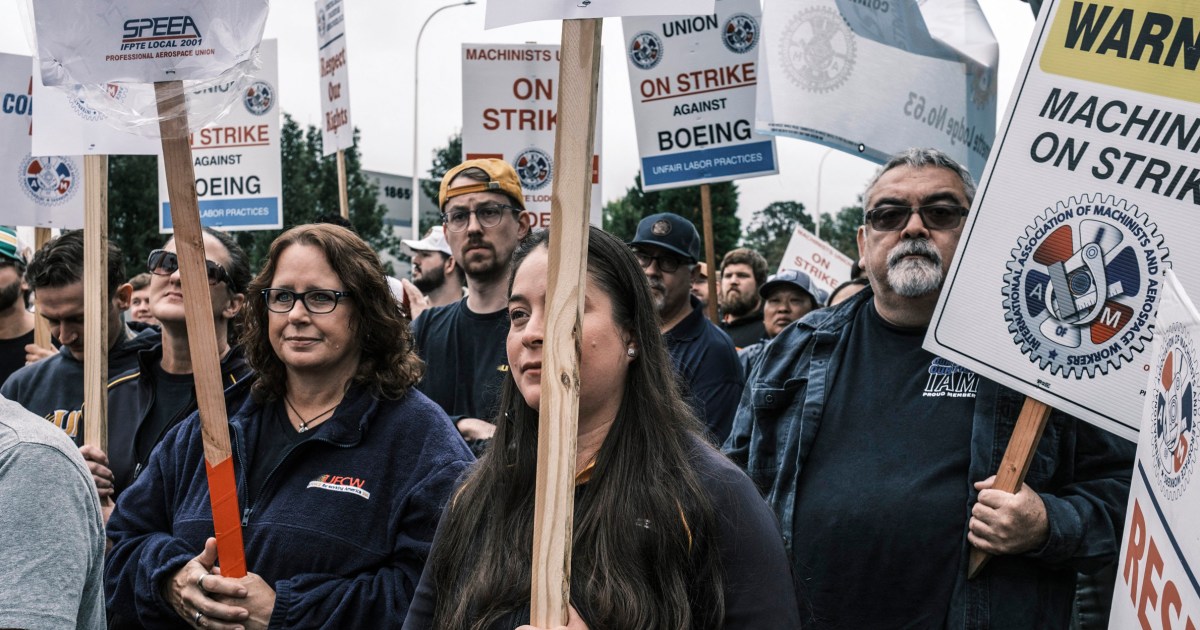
<point>741,33</point>
<point>645,50</point>
<point>1082,286</point>
<point>48,180</point>
<point>259,98</point>
<point>534,168</point>
<point>818,50</point>
<point>1174,401</point>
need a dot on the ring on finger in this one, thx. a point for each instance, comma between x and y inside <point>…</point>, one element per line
<point>198,617</point>
<point>200,583</point>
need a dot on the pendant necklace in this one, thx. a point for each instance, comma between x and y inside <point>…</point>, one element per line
<point>303,422</point>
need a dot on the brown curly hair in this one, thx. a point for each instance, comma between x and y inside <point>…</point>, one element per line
<point>388,366</point>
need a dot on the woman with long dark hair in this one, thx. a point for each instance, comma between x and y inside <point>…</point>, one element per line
<point>668,534</point>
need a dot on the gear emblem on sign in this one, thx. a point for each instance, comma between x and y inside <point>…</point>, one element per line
<point>1083,285</point>
<point>49,180</point>
<point>818,50</point>
<point>1175,409</point>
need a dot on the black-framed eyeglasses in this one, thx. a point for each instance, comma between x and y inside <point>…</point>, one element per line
<point>934,217</point>
<point>317,301</point>
<point>666,262</point>
<point>164,263</point>
<point>488,216</point>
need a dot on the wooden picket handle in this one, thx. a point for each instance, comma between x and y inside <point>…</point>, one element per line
<point>41,330</point>
<point>709,252</point>
<point>1017,458</point>
<point>578,80</point>
<point>95,301</point>
<point>202,335</point>
<point>343,194</point>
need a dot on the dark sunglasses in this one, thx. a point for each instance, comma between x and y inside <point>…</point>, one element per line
<point>164,263</point>
<point>935,217</point>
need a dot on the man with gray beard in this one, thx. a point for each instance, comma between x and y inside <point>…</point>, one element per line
<point>878,457</point>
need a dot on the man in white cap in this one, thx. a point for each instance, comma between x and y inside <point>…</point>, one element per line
<point>437,279</point>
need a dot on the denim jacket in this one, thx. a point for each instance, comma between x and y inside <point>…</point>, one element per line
<point>1082,474</point>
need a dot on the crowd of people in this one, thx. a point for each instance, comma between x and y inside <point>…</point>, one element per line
<point>796,464</point>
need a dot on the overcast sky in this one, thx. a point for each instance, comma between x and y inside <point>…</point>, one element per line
<point>381,35</point>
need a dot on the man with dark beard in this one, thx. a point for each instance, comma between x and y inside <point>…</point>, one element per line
<point>878,457</point>
<point>743,271</point>
<point>437,280</point>
<point>16,322</point>
<point>463,343</point>
<point>667,246</point>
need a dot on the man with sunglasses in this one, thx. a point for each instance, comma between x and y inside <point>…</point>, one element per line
<point>463,343</point>
<point>878,457</point>
<point>667,246</point>
<point>53,387</point>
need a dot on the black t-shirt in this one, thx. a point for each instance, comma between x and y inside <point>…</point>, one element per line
<point>12,354</point>
<point>172,396</point>
<point>465,358</point>
<point>881,506</point>
<point>746,330</point>
<point>276,438</point>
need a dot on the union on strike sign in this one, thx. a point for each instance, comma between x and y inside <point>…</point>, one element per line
<point>506,12</point>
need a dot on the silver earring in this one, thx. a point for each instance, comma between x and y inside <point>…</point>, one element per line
<point>631,352</point>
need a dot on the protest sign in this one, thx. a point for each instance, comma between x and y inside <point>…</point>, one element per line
<point>38,190</point>
<point>239,179</point>
<point>827,267</point>
<point>395,194</point>
<point>510,112</point>
<point>1156,582</point>
<point>143,41</point>
<point>874,78</point>
<point>692,79</point>
<point>506,12</point>
<point>1090,195</point>
<point>336,131</point>
<point>69,124</point>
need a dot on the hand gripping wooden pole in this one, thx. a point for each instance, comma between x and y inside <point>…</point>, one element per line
<point>709,255</point>
<point>1017,457</point>
<point>578,80</point>
<point>95,301</point>
<point>202,335</point>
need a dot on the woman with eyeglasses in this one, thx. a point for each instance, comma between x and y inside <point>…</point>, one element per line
<point>146,402</point>
<point>667,535</point>
<point>342,467</point>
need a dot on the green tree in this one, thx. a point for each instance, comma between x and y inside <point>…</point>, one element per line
<point>771,229</point>
<point>310,189</point>
<point>621,216</point>
<point>444,159</point>
<point>133,208</point>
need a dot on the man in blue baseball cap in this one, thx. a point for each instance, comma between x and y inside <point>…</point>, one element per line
<point>667,247</point>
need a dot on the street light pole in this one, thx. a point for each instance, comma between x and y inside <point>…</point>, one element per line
<point>416,175</point>
<point>820,168</point>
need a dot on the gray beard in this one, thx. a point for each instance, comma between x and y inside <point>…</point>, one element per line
<point>914,277</point>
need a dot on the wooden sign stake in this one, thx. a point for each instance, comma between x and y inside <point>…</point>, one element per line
<point>709,254</point>
<point>578,80</point>
<point>41,330</point>
<point>95,301</point>
<point>202,336</point>
<point>1015,464</point>
<point>343,195</point>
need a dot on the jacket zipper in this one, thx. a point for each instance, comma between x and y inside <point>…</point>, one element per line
<point>249,509</point>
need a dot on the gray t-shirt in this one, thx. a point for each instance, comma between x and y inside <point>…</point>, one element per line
<point>50,528</point>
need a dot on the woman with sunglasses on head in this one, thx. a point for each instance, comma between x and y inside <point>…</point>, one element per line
<point>342,467</point>
<point>668,534</point>
<point>147,401</point>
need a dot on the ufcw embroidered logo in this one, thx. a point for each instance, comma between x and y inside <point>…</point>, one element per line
<point>339,483</point>
<point>503,367</point>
